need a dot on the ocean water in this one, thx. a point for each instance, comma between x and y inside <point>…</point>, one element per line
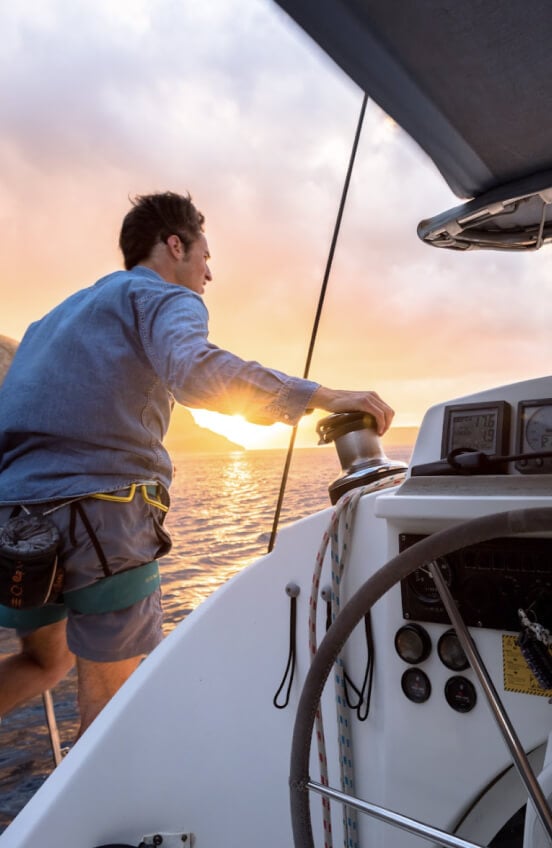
<point>220,520</point>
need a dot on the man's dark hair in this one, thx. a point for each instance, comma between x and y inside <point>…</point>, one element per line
<point>155,217</point>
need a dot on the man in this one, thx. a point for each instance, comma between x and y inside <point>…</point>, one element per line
<point>83,412</point>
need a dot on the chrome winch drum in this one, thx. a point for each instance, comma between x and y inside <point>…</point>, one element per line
<point>359,450</point>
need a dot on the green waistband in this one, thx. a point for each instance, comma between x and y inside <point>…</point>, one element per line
<point>106,595</point>
<point>31,619</point>
<point>116,592</point>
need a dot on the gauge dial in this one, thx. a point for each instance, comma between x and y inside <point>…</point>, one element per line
<point>412,643</point>
<point>451,652</point>
<point>538,429</point>
<point>423,585</point>
<point>534,435</point>
<point>460,694</point>
<point>415,685</point>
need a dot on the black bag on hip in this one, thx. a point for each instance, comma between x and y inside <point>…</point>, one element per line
<point>30,574</point>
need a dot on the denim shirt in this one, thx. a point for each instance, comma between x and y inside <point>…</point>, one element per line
<point>87,401</point>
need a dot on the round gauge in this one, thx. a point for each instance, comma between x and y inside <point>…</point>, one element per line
<point>415,685</point>
<point>451,652</point>
<point>423,585</point>
<point>412,643</point>
<point>460,694</point>
<point>538,429</point>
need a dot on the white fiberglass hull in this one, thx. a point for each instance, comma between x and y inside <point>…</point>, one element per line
<point>193,743</point>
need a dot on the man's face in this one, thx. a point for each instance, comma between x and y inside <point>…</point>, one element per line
<point>192,270</point>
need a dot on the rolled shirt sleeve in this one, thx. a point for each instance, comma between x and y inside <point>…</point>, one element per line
<point>174,333</point>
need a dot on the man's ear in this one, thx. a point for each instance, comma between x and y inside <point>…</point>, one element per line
<point>175,246</point>
<point>7,351</point>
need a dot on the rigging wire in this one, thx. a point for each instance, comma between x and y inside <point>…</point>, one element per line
<point>318,315</point>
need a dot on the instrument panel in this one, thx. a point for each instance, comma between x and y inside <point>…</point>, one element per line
<point>489,582</point>
<point>486,427</point>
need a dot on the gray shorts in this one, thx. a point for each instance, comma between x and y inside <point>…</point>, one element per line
<point>130,534</point>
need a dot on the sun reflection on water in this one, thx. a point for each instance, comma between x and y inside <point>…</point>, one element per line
<point>222,509</point>
<point>237,475</point>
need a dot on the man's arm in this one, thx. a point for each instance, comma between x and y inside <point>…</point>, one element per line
<point>199,374</point>
<point>337,400</point>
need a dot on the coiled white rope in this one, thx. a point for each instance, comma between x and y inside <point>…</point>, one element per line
<point>339,532</point>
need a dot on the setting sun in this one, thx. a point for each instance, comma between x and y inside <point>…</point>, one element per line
<point>250,436</point>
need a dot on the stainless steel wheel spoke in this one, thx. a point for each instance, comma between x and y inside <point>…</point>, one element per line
<point>506,728</point>
<point>425,831</point>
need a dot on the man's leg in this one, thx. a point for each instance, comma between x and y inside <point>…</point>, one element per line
<point>110,645</point>
<point>98,682</point>
<point>43,661</point>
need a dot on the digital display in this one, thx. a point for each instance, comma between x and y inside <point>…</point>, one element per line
<point>482,427</point>
<point>475,431</point>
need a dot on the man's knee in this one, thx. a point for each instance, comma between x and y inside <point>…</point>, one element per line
<point>54,666</point>
<point>47,649</point>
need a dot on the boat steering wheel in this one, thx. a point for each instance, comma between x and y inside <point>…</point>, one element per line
<point>424,552</point>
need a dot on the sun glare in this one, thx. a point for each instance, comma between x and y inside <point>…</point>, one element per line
<point>237,429</point>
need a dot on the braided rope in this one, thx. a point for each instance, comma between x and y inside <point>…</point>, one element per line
<point>339,553</point>
<point>340,550</point>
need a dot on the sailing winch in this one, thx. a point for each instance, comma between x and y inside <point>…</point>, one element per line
<point>359,450</point>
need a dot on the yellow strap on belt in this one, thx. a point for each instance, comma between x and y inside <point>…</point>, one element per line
<point>143,488</point>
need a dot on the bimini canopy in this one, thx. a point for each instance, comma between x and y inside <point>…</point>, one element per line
<point>471,82</point>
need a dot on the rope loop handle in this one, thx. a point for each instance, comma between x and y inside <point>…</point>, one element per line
<point>292,591</point>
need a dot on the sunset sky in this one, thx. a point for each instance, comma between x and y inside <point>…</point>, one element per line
<point>229,100</point>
